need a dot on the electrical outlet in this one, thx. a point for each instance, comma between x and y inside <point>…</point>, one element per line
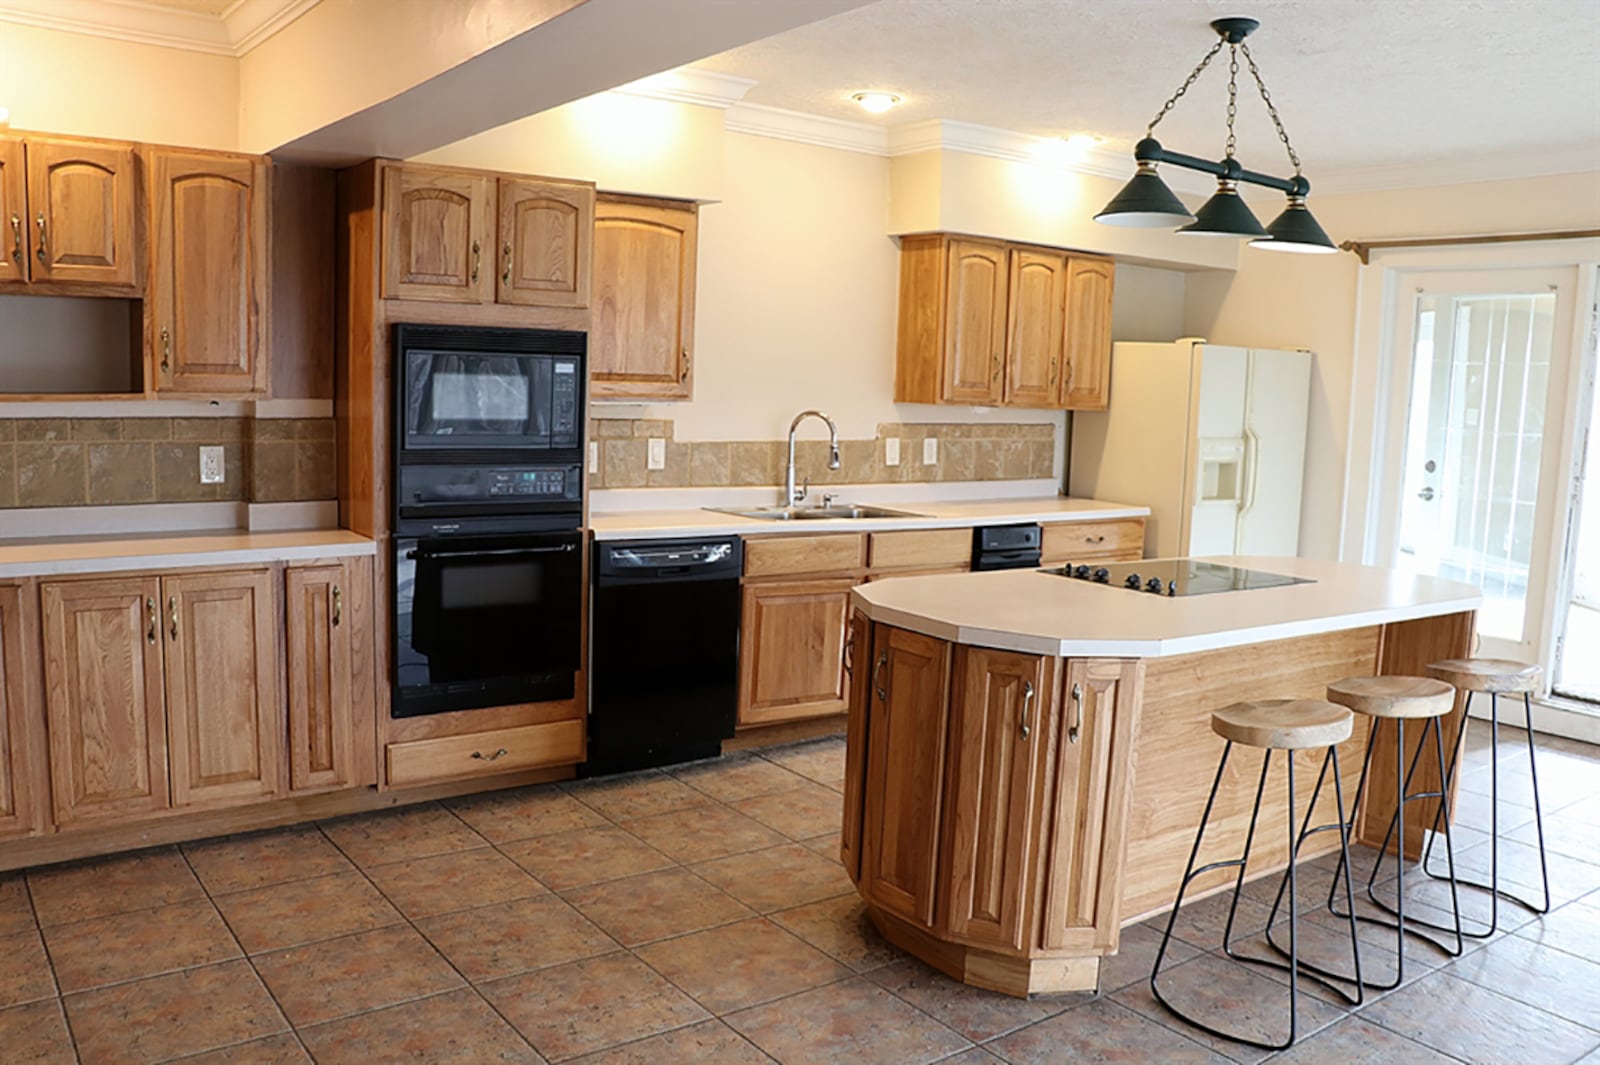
<point>211,465</point>
<point>891,451</point>
<point>594,456</point>
<point>930,451</point>
<point>656,454</point>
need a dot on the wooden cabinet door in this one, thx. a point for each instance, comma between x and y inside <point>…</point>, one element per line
<point>331,741</point>
<point>641,335</point>
<point>223,722</point>
<point>1086,384</point>
<point>23,777</point>
<point>437,235</point>
<point>546,242</point>
<point>83,203</point>
<point>905,772</point>
<point>103,699</point>
<point>858,670</point>
<point>975,321</point>
<point>1035,322</point>
<point>1000,702</point>
<point>14,222</point>
<point>204,311</point>
<point>791,649</point>
<point>1087,823</point>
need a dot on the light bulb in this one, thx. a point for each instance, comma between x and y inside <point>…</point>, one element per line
<point>875,102</point>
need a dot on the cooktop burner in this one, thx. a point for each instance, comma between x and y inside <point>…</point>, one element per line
<point>1177,576</point>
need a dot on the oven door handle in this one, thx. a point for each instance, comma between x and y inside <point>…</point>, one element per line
<point>468,553</point>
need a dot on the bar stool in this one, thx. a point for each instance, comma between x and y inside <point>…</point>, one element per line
<point>1400,699</point>
<point>1287,725</point>
<point>1497,677</point>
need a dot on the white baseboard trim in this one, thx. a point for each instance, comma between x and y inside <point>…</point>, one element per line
<point>1552,717</point>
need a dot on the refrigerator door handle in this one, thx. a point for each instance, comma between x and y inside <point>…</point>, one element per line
<point>1252,448</point>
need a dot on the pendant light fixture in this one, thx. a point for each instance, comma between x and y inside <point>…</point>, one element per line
<point>1146,201</point>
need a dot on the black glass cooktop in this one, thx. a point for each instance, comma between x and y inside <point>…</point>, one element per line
<point>1176,576</point>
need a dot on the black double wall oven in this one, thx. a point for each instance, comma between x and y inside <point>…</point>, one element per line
<point>487,490</point>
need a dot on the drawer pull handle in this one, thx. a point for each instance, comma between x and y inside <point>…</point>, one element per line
<point>501,753</point>
<point>1027,709</point>
<point>877,670</point>
<point>338,605</point>
<point>150,608</point>
<point>1077,713</point>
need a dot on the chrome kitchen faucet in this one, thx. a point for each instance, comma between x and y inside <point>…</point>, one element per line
<point>791,497</point>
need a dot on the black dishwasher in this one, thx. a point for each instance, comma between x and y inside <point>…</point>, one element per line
<point>663,651</point>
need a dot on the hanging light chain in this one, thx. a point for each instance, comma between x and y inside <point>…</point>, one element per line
<point>1271,109</point>
<point>1150,129</point>
<point>1233,95</point>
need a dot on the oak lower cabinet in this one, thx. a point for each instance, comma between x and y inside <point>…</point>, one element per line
<point>792,636</point>
<point>1117,540</point>
<point>24,783</point>
<point>330,675</point>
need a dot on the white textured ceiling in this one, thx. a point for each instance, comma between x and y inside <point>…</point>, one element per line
<point>1359,83</point>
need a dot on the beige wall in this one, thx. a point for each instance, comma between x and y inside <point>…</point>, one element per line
<point>1309,301</point>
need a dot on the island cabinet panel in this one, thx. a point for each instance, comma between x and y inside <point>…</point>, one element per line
<point>791,660</point>
<point>858,661</point>
<point>83,206</point>
<point>1088,820</point>
<point>546,242</point>
<point>905,774</point>
<point>1035,323</point>
<point>330,675</point>
<point>641,337</point>
<point>103,655</point>
<point>14,258</point>
<point>23,776</point>
<point>975,322</point>
<point>1086,382</point>
<point>437,234</point>
<point>223,716</point>
<point>1000,702</point>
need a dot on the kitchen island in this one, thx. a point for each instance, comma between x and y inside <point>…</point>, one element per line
<point>1029,754</point>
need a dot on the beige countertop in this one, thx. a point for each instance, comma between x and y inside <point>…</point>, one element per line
<point>1041,613</point>
<point>654,524</point>
<point>56,555</point>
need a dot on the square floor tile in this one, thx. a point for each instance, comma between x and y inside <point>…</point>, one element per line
<point>803,813</point>
<point>1102,1031</point>
<point>818,760</point>
<point>1356,1041</point>
<point>16,910</point>
<point>305,911</point>
<point>128,946</point>
<point>656,905</point>
<point>778,878</point>
<point>975,1013</point>
<point>1136,954</point>
<point>449,882</point>
<point>24,969</point>
<point>706,1043</point>
<point>455,1028</point>
<point>238,863</point>
<point>637,795</point>
<point>1470,1022</point>
<point>848,1023</point>
<point>273,1050</point>
<point>1563,834</point>
<point>339,977</point>
<point>104,886</point>
<point>156,1019</point>
<point>1551,979</point>
<point>36,1034</point>
<point>591,1005</point>
<point>503,816</point>
<point>585,856</point>
<point>1570,878</point>
<point>401,835</point>
<point>739,776</point>
<point>840,928</point>
<point>741,964</point>
<point>708,831</point>
<point>513,937</point>
<point>1574,928</point>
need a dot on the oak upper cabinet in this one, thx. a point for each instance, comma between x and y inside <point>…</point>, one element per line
<point>1001,710</point>
<point>330,675</point>
<point>1086,381</point>
<point>546,231</point>
<point>438,234</point>
<point>205,309</point>
<point>103,652</point>
<point>71,208</point>
<point>905,772</point>
<point>24,783</point>
<point>1088,815</point>
<point>1035,325</point>
<point>223,716</point>
<point>641,340</point>
<point>791,661</point>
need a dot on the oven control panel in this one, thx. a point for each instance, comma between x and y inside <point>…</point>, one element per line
<point>445,485</point>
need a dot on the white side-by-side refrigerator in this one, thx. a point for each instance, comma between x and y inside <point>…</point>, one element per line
<point>1211,438</point>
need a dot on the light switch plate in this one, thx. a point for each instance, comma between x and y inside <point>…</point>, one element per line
<point>594,456</point>
<point>930,451</point>
<point>656,454</point>
<point>891,451</point>
<point>211,465</point>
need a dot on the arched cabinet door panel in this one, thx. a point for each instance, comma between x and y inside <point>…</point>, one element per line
<point>975,322</point>
<point>437,235</point>
<point>1086,384</point>
<point>546,243</point>
<point>82,212</point>
<point>641,340</point>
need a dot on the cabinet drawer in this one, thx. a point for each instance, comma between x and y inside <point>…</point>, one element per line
<point>922,548</point>
<point>779,555</point>
<point>484,753</point>
<point>1072,541</point>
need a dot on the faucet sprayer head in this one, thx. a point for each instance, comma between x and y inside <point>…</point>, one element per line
<point>833,456</point>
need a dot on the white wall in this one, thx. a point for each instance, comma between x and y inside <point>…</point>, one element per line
<point>1148,303</point>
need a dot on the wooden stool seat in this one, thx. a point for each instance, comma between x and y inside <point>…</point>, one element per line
<point>1497,675</point>
<point>1283,724</point>
<point>1394,696</point>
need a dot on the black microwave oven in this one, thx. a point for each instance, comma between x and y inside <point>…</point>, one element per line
<point>467,390</point>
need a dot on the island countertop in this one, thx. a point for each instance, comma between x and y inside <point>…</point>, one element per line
<point>1042,613</point>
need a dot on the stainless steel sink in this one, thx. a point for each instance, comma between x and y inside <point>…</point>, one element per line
<point>838,510</point>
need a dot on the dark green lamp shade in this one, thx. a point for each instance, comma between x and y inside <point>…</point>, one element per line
<point>1224,215</point>
<point>1145,202</point>
<point>1295,230</point>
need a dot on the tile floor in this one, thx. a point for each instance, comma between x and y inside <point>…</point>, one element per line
<point>700,916</point>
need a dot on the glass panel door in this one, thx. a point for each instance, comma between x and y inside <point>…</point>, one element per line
<point>1577,673</point>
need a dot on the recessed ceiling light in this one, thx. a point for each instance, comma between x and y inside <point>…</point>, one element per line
<point>876,102</point>
<point>1064,150</point>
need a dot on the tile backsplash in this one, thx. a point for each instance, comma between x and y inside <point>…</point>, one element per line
<point>985,451</point>
<point>66,462</point>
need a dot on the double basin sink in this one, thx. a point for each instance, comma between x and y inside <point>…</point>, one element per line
<point>802,513</point>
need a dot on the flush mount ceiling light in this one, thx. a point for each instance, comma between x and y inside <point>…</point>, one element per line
<point>874,101</point>
<point>1147,202</point>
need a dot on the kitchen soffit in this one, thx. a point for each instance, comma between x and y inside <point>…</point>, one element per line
<point>1413,92</point>
<point>219,27</point>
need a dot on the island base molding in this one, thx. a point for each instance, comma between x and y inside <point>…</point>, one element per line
<point>1006,973</point>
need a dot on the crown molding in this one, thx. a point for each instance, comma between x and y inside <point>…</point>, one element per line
<point>240,28</point>
<point>688,85</point>
<point>803,128</point>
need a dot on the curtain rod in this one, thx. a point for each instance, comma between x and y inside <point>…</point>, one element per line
<point>1363,247</point>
